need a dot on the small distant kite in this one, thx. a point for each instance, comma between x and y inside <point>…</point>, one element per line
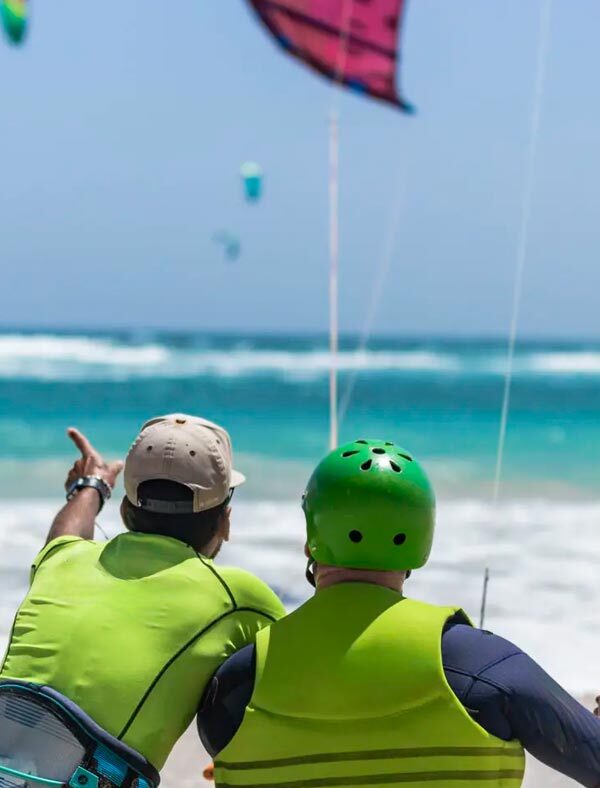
<point>14,14</point>
<point>230,243</point>
<point>252,180</point>
<point>352,42</point>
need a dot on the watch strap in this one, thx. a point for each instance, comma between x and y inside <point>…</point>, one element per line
<point>97,482</point>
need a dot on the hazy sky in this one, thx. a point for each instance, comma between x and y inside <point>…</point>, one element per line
<point>123,125</point>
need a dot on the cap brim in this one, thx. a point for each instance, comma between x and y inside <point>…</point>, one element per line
<point>237,478</point>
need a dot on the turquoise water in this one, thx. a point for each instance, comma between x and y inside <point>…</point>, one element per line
<point>441,399</point>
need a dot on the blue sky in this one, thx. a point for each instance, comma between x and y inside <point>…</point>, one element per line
<point>124,124</point>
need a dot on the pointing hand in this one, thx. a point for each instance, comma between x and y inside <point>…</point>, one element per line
<point>91,462</point>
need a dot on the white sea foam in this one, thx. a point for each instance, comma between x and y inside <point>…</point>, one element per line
<point>48,357</point>
<point>544,558</point>
<point>569,363</point>
<point>20,348</point>
<point>75,358</point>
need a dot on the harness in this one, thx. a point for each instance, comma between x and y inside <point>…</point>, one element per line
<point>46,740</point>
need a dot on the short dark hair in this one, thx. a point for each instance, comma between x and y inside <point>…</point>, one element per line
<point>194,528</point>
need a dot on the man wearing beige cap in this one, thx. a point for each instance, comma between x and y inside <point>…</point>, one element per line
<point>117,640</point>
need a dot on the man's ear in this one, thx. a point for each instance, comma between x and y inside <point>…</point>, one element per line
<point>225,524</point>
<point>306,550</point>
<point>124,510</point>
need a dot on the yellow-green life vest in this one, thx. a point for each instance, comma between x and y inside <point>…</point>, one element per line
<point>350,691</point>
<point>131,630</point>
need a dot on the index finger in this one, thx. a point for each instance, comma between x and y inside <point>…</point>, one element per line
<point>82,443</point>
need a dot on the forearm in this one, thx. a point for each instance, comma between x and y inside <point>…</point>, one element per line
<point>512,697</point>
<point>77,517</point>
<point>554,727</point>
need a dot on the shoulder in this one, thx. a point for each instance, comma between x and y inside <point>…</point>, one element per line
<point>447,614</point>
<point>55,548</point>
<point>482,670</point>
<point>474,650</point>
<point>249,592</point>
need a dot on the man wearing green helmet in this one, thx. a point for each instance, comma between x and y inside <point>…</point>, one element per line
<point>362,686</point>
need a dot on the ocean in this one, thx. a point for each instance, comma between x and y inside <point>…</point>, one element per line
<point>439,398</point>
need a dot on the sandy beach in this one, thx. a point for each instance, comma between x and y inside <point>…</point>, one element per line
<point>184,767</point>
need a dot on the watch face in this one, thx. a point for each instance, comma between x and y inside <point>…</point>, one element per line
<point>102,486</point>
<point>73,487</point>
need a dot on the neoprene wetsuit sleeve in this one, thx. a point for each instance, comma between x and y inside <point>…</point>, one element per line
<point>225,699</point>
<point>511,696</point>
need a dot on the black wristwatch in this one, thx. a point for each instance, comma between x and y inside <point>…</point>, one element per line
<point>97,482</point>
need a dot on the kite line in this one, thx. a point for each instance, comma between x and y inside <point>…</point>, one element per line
<point>521,255</point>
<point>355,44</point>
<point>523,233</point>
<point>383,267</point>
<point>334,224</point>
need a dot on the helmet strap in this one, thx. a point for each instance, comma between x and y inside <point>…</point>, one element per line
<point>309,574</point>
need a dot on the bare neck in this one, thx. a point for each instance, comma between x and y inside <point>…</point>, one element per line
<point>326,576</point>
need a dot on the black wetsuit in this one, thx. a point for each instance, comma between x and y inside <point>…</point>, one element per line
<point>501,687</point>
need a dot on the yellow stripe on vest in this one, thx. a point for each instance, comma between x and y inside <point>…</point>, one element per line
<point>386,779</point>
<point>366,755</point>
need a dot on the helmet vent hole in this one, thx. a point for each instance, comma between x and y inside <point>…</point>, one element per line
<point>366,465</point>
<point>355,536</point>
<point>361,441</point>
<point>395,467</point>
<point>389,443</point>
<point>378,451</point>
<point>350,453</point>
<point>399,539</point>
<point>406,456</point>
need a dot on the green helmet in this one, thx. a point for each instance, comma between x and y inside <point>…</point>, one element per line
<point>369,505</point>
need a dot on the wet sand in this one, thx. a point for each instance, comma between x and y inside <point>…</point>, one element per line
<point>539,776</point>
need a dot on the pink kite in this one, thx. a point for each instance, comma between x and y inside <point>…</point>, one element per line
<point>353,42</point>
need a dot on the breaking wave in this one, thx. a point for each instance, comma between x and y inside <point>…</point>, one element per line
<point>53,357</point>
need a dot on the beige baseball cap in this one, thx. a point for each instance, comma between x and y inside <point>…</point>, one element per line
<point>184,449</point>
